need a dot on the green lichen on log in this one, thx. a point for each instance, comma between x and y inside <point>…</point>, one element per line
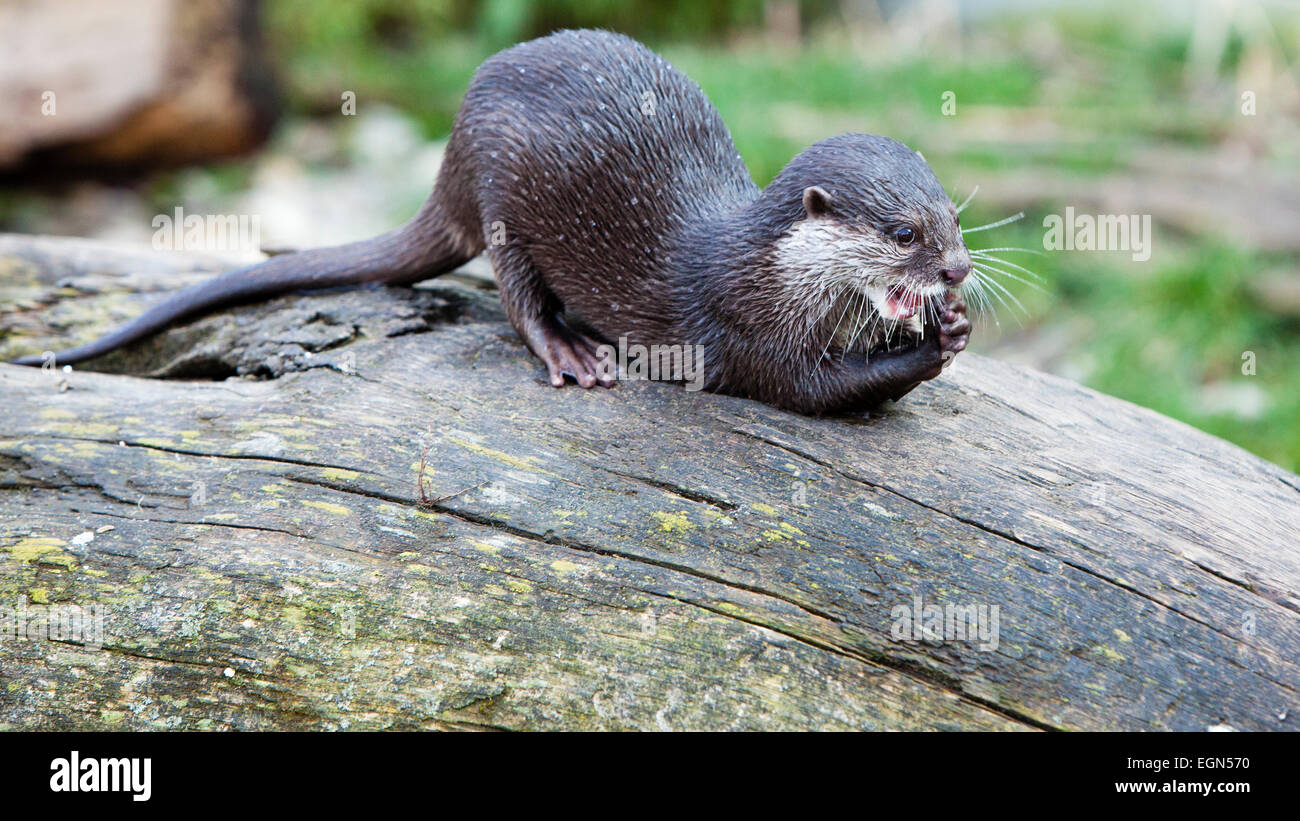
<point>392,521</point>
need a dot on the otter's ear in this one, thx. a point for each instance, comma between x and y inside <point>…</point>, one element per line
<point>816,201</point>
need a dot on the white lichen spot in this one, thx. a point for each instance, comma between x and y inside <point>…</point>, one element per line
<point>876,510</point>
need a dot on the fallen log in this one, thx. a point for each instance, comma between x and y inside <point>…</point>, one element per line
<point>368,510</point>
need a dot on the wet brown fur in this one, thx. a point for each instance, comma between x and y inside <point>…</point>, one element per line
<point>621,198</point>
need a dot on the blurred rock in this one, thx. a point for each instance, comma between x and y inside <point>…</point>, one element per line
<point>387,173</point>
<point>93,86</point>
<point>1278,291</point>
<point>313,185</point>
<point>1244,400</point>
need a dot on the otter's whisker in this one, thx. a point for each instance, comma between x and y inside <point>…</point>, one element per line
<point>1007,248</point>
<point>986,296</point>
<point>998,224</point>
<point>855,309</point>
<point>993,269</point>
<point>933,307</point>
<point>974,286</point>
<point>864,323</point>
<point>894,293</point>
<point>828,305</point>
<point>999,287</point>
<point>834,330</point>
<point>871,329</point>
<point>864,313</point>
<point>989,310</point>
<point>989,260</point>
<point>966,201</point>
<point>975,289</point>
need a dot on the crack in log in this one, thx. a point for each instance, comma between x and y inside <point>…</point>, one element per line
<point>212,524</point>
<point>328,366</point>
<point>573,544</point>
<point>1284,480</point>
<point>1244,585</point>
<point>70,484</point>
<point>131,653</point>
<point>443,725</point>
<point>551,539</point>
<point>379,559</point>
<point>1017,540</point>
<point>1076,566</point>
<point>240,456</point>
<point>883,660</point>
<point>916,672</point>
<point>997,400</point>
<point>948,684</point>
<point>676,490</point>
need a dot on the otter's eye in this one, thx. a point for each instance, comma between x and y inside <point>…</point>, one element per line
<point>905,235</point>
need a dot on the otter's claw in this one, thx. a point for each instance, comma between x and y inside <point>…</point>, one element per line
<point>954,327</point>
<point>568,353</point>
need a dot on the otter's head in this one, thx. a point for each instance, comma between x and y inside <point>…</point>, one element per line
<point>865,214</point>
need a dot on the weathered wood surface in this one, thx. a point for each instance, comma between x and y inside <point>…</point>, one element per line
<point>643,557</point>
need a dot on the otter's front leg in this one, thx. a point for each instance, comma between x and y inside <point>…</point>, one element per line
<point>859,382</point>
<point>954,333</point>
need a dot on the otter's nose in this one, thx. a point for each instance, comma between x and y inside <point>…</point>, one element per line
<point>957,273</point>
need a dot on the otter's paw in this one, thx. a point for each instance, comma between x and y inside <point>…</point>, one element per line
<point>569,353</point>
<point>954,328</point>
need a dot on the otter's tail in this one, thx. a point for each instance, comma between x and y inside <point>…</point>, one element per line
<point>426,246</point>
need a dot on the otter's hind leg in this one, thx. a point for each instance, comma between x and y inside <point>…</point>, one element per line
<point>538,316</point>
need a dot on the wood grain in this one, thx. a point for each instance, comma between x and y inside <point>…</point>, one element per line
<point>637,558</point>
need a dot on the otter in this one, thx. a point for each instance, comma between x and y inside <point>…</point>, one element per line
<point>604,186</point>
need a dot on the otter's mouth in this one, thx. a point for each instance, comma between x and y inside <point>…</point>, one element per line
<point>898,304</point>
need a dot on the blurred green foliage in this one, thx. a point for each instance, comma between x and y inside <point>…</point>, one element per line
<point>1113,83</point>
